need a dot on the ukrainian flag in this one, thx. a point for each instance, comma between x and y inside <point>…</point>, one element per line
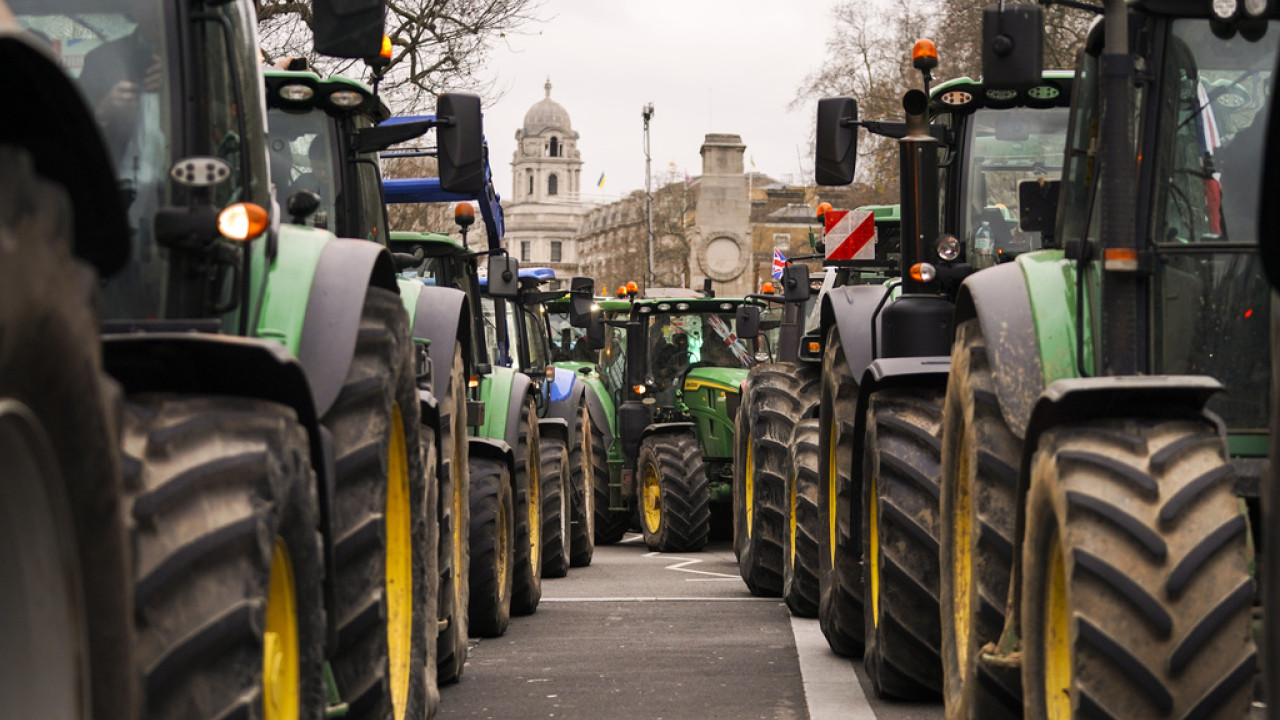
<point>600,182</point>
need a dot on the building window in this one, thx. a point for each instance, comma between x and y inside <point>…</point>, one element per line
<point>530,184</point>
<point>524,251</point>
<point>555,248</point>
<point>555,147</point>
<point>553,184</point>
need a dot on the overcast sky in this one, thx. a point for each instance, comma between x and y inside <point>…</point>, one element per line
<point>724,66</point>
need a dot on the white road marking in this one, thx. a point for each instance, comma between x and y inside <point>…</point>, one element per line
<point>683,566</point>
<point>831,688</point>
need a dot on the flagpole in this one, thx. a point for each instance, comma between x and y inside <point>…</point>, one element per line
<point>647,113</point>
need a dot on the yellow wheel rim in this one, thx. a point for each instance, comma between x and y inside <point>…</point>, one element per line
<point>535,508</point>
<point>832,484</point>
<point>791,520</point>
<point>749,489</point>
<point>652,492</point>
<point>1057,637</point>
<point>399,567</point>
<point>503,546</point>
<point>280,660</point>
<point>873,534</point>
<point>962,559</point>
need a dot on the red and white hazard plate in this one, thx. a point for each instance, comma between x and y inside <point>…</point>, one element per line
<point>850,235</point>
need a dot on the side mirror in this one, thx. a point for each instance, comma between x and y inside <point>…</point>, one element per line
<point>460,143</point>
<point>348,28</point>
<point>1012,46</point>
<point>836,141</point>
<point>504,280</point>
<point>746,322</point>
<point>1038,205</point>
<point>580,289</point>
<point>795,283</point>
<point>595,330</point>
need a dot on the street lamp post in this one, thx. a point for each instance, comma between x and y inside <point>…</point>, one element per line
<point>647,113</point>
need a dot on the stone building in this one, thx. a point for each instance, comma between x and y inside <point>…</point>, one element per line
<point>545,210</point>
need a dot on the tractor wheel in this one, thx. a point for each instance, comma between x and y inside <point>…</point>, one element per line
<point>840,541</point>
<point>800,563</point>
<point>980,457</point>
<point>741,460</point>
<point>555,508</point>
<point>675,512</point>
<point>455,526</point>
<point>229,578</point>
<point>1136,594</point>
<point>581,488</point>
<point>431,579</point>
<point>781,394</point>
<point>611,525</point>
<point>526,589</point>
<point>493,534</point>
<point>900,477</point>
<point>56,400</point>
<point>379,522</point>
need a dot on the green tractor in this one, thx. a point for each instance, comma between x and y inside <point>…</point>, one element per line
<point>775,468</point>
<point>509,419</point>
<point>1100,488</point>
<point>685,367</point>
<point>600,365</point>
<point>564,402</point>
<point>277,475</point>
<point>328,147</point>
<point>964,149</point>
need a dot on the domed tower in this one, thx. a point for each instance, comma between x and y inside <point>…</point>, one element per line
<point>545,210</point>
<point>546,166</point>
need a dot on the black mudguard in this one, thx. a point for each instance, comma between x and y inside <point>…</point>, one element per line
<point>557,428</point>
<point>521,387</point>
<point>851,309</point>
<point>482,447</point>
<point>998,297</point>
<point>346,270</point>
<point>443,317</point>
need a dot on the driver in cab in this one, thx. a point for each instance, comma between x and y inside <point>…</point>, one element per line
<point>673,357</point>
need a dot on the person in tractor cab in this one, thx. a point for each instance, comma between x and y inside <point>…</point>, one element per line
<point>117,73</point>
<point>672,357</point>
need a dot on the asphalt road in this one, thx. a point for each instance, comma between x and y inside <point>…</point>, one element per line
<point>648,636</point>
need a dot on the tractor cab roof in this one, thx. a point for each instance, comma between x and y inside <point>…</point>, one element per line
<point>302,90</point>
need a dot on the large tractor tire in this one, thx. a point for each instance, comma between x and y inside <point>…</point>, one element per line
<point>901,464</point>
<point>229,577</point>
<point>800,585</point>
<point>780,394</point>
<point>581,488</point>
<point>556,493</point>
<point>675,512</point>
<point>379,521</point>
<point>1136,595</point>
<point>978,505</point>
<point>493,532</point>
<point>527,576</point>
<point>65,514</point>
<point>430,578</point>
<point>611,525</point>
<point>840,592</point>
<point>455,526</point>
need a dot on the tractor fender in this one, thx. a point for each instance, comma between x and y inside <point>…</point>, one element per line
<point>851,309</point>
<point>204,364</point>
<point>1072,400</point>
<point>513,387</point>
<point>565,392</point>
<point>346,270</point>
<point>998,298</point>
<point>556,428</point>
<point>601,413</point>
<point>483,447</point>
<point>656,428</point>
<point>889,373</point>
<point>55,125</point>
<point>441,316</point>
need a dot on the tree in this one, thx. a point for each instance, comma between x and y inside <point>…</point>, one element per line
<point>436,44</point>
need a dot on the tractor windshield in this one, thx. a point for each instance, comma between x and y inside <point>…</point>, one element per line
<point>1212,304</point>
<point>1004,148</point>
<point>677,341</point>
<point>128,62</point>
<point>303,159</point>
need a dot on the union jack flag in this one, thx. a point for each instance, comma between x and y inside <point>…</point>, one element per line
<point>779,262</point>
